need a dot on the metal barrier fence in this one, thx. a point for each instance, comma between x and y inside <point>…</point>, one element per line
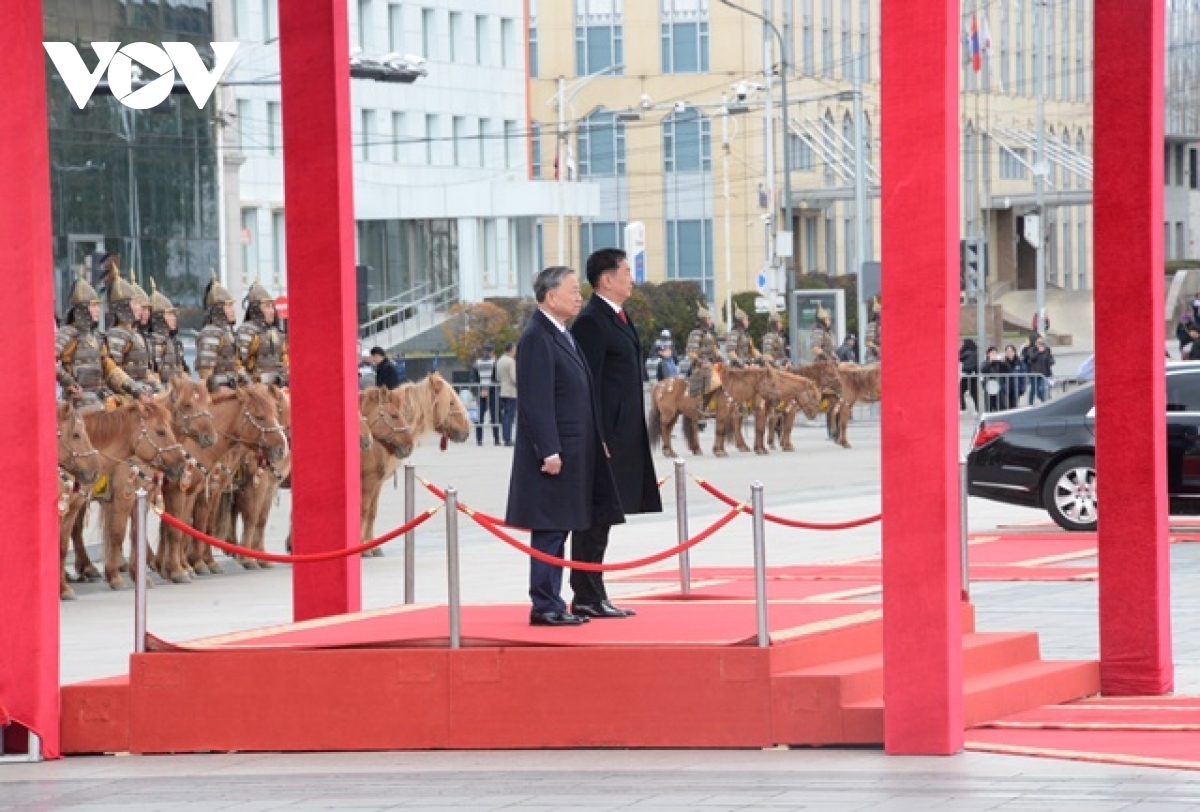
<point>1001,391</point>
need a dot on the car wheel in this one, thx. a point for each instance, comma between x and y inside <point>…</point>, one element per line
<point>1069,494</point>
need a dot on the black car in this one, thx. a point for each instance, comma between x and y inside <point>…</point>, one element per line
<point>1045,457</point>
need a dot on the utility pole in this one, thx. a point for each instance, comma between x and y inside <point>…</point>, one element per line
<point>1039,166</point>
<point>860,201</point>
<point>560,168</point>
<point>768,47</point>
<point>725,196</point>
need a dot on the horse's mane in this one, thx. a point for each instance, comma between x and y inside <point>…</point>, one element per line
<point>422,403</point>
<point>864,379</point>
<point>106,428</point>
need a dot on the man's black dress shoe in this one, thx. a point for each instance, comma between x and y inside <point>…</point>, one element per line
<point>625,612</point>
<point>598,610</point>
<point>556,619</point>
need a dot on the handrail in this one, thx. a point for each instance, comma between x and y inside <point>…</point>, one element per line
<point>395,316</point>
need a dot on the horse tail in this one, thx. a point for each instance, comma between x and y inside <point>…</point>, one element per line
<point>654,420</point>
<point>688,426</point>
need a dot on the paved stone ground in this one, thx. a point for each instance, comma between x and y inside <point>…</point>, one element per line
<point>820,482</point>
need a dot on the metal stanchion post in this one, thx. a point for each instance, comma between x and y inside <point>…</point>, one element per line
<point>139,578</point>
<point>760,563</point>
<point>410,538</point>
<point>681,525</point>
<point>452,565</point>
<point>963,532</point>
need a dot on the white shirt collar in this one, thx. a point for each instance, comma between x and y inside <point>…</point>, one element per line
<point>562,328</point>
<point>615,307</point>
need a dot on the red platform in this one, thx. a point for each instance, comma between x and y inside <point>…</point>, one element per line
<point>680,674</point>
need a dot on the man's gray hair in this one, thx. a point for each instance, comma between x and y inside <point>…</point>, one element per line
<point>548,279</point>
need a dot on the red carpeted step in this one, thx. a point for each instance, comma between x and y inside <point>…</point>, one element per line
<point>95,716</point>
<point>842,701</point>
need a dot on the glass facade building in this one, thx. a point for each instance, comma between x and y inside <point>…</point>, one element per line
<point>141,183</point>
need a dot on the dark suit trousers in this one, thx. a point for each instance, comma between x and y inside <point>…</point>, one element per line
<point>545,580</point>
<point>589,546</point>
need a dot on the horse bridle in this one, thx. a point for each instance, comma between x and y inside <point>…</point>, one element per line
<point>157,461</point>
<point>381,416</point>
<point>70,466</point>
<point>185,421</point>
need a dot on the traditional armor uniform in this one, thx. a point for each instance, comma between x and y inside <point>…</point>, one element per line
<point>261,346</point>
<point>871,338</point>
<point>820,340</point>
<point>80,353</point>
<point>774,348</point>
<point>166,349</point>
<point>217,360</point>
<point>739,346</point>
<point>127,370</point>
<point>702,352</point>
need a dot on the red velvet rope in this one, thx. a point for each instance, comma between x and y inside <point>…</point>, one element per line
<point>306,558</point>
<point>796,523</point>
<point>589,567</point>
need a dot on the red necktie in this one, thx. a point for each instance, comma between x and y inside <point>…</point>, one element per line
<point>623,317</point>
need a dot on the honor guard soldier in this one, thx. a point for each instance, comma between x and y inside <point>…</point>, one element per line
<point>217,360</point>
<point>262,348</point>
<point>739,346</point>
<point>127,368</point>
<point>871,339</point>
<point>165,347</point>
<point>774,348</point>
<point>702,352</point>
<point>79,351</point>
<point>820,340</point>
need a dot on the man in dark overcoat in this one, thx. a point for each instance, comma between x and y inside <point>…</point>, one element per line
<point>561,480</point>
<point>613,351</point>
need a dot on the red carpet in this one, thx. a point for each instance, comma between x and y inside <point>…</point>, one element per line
<point>659,623</point>
<point>867,572</point>
<point>1147,731</point>
<point>778,589</point>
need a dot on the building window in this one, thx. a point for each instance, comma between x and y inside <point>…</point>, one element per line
<point>1064,83</point>
<point>601,141</point>
<point>481,40</point>
<point>1013,164</point>
<point>1080,69</point>
<point>1004,38</point>
<point>429,33</point>
<point>399,137</point>
<point>508,43</point>
<point>279,246</point>
<point>235,17</point>
<point>690,252</point>
<point>365,26</point>
<point>599,36</point>
<point>270,14</point>
<point>459,137</point>
<point>687,142</point>
<point>1019,47</point>
<point>249,243</point>
<point>457,33</point>
<point>800,153</point>
<point>483,135</point>
<point>395,27</point>
<point>1180,241</point>
<point>367,134</point>
<point>864,38</point>
<point>535,149</point>
<point>827,37</point>
<point>431,134</point>
<point>1180,178</point>
<point>594,236</point>
<point>684,36</point>
<point>847,46</point>
<point>1047,67</point>
<point>512,145</point>
<point>808,39</point>
<point>532,53</point>
<point>245,113</point>
<point>274,128</point>
<point>1193,180</point>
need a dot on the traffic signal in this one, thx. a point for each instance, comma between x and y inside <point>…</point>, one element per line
<point>971,267</point>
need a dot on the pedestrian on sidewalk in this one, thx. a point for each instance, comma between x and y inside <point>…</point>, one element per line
<point>968,359</point>
<point>506,376</point>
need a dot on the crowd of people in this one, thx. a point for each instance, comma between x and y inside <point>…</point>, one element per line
<point>1003,381</point>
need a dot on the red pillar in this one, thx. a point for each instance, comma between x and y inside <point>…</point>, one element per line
<point>318,186</point>
<point>29,533</point>
<point>1135,611</point>
<point>923,709</point>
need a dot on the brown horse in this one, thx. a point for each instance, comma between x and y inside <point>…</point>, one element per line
<point>141,432</point>
<point>209,464</point>
<point>391,441</point>
<point>858,383</point>
<point>253,501</point>
<point>742,390</point>
<point>794,393</point>
<point>78,467</point>
<point>825,375</point>
<point>669,400</point>
<point>261,442</point>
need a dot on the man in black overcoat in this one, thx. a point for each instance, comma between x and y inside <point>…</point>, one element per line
<point>613,350</point>
<point>561,480</point>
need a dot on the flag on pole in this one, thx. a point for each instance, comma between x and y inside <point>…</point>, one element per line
<point>976,52</point>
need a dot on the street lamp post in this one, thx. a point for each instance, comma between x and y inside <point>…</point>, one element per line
<point>787,164</point>
<point>860,202</point>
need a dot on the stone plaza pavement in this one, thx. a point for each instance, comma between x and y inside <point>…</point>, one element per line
<point>819,482</point>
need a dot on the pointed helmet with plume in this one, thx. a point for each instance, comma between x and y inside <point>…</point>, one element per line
<point>702,311</point>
